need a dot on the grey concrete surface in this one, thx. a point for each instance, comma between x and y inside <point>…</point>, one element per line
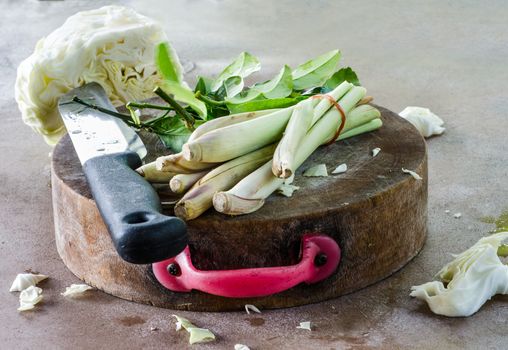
<point>449,56</point>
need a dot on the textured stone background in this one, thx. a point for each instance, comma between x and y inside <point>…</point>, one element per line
<point>448,56</point>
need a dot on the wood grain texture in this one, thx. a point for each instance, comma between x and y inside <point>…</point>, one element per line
<point>376,213</point>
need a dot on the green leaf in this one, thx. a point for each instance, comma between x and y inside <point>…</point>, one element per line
<point>175,141</point>
<point>233,86</point>
<point>185,95</point>
<point>315,91</point>
<point>203,85</point>
<point>245,96</point>
<point>316,71</point>
<point>280,86</point>
<point>257,105</point>
<point>173,133</point>
<point>244,65</point>
<point>342,75</point>
<point>172,84</point>
<point>167,63</point>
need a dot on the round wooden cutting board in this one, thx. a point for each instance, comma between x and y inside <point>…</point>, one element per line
<point>375,212</point>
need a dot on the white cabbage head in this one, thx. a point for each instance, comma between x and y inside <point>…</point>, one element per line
<point>472,278</point>
<point>113,46</point>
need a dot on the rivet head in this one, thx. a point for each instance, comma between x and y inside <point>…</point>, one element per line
<point>173,269</point>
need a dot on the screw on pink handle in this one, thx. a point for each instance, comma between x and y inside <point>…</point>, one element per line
<point>320,258</point>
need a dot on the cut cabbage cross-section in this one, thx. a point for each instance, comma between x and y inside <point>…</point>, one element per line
<point>113,46</point>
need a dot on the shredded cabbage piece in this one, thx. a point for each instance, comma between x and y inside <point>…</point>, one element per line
<point>412,173</point>
<point>305,325</point>
<point>25,280</point>
<point>426,122</point>
<point>29,297</point>
<point>241,347</point>
<point>317,170</point>
<point>76,290</point>
<point>340,169</point>
<point>197,335</point>
<point>250,307</point>
<point>472,278</point>
<point>287,190</point>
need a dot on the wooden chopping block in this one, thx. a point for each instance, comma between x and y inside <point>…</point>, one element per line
<point>375,212</point>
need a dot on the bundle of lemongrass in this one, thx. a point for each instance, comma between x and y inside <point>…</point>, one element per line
<point>234,163</point>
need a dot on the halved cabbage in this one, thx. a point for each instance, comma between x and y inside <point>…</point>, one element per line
<point>113,46</point>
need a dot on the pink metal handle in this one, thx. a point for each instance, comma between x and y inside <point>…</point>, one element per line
<point>320,258</point>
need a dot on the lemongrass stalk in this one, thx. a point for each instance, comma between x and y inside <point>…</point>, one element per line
<point>359,116</point>
<point>249,194</point>
<point>226,121</point>
<point>362,129</point>
<point>298,125</point>
<point>324,104</point>
<point>232,141</point>
<point>180,183</point>
<point>151,174</point>
<point>178,164</point>
<point>300,122</point>
<point>365,100</point>
<point>199,198</point>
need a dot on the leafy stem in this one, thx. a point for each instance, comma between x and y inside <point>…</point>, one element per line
<point>188,119</point>
<point>149,125</point>
<point>126,118</point>
<point>143,105</point>
<point>208,100</point>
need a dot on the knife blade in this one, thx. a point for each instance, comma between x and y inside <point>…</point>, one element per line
<point>109,151</point>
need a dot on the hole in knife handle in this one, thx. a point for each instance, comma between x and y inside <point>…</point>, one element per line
<point>320,260</point>
<point>138,218</point>
<point>174,269</point>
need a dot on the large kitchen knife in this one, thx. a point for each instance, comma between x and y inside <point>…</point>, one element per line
<point>109,150</point>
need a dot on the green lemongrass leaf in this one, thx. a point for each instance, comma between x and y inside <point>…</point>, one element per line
<point>166,64</point>
<point>316,71</point>
<point>204,85</point>
<point>261,104</point>
<point>244,65</point>
<point>280,86</point>
<point>233,85</point>
<point>185,95</point>
<point>342,75</point>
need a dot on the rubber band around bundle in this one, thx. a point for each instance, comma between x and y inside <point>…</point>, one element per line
<point>342,115</point>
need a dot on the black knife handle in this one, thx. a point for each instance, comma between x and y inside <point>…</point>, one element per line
<point>131,210</point>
